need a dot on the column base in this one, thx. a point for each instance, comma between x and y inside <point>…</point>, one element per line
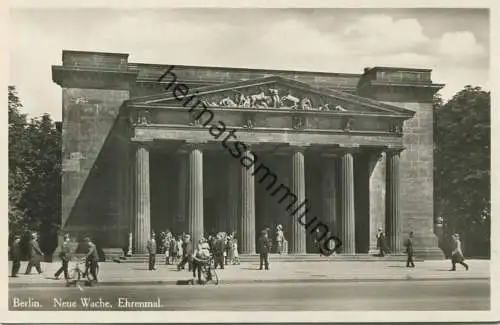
<point>426,246</point>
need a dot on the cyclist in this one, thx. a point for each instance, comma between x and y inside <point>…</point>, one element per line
<point>201,258</point>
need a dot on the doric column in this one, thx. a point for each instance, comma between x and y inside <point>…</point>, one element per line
<point>392,196</point>
<point>180,218</point>
<point>329,182</point>
<point>142,222</point>
<point>233,197</point>
<point>298,230</point>
<point>195,192</point>
<point>348,228</point>
<point>247,224</point>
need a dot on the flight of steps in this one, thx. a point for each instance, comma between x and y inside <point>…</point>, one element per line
<point>160,258</point>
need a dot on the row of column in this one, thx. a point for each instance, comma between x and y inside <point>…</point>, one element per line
<point>246,210</point>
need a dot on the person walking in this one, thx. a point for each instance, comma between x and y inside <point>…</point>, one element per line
<point>15,256</point>
<point>264,249</point>
<point>91,259</point>
<point>35,255</point>
<point>65,257</point>
<point>409,250</point>
<point>151,246</point>
<point>457,257</point>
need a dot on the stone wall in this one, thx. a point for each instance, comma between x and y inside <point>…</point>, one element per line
<point>416,178</point>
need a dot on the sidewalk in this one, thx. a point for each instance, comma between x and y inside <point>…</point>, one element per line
<point>281,272</point>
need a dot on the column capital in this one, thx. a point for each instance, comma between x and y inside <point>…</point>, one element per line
<point>394,150</point>
<point>300,147</point>
<point>142,142</point>
<point>191,145</point>
<point>343,149</point>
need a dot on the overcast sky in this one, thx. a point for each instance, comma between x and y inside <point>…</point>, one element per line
<point>453,42</point>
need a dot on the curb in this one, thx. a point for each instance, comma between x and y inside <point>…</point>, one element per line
<point>246,281</point>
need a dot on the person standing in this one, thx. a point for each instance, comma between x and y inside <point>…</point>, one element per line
<point>64,255</point>
<point>456,255</point>
<point>187,254</point>
<point>91,259</point>
<point>151,246</point>
<point>15,255</point>
<point>35,255</point>
<point>218,252</point>
<point>382,242</point>
<point>236,255</point>
<point>279,239</point>
<point>264,249</point>
<point>167,242</point>
<point>174,251</point>
<point>409,250</point>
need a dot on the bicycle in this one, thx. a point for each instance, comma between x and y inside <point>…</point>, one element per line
<point>208,273</point>
<point>77,274</point>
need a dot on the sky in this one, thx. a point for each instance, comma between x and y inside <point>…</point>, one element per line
<point>452,42</point>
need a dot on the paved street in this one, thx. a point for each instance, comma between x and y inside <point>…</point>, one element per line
<point>460,294</point>
<point>120,274</point>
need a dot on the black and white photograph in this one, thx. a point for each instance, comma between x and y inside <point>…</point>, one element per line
<point>249,159</point>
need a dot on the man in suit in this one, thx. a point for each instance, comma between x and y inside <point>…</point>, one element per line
<point>218,251</point>
<point>15,255</point>
<point>409,250</point>
<point>264,249</point>
<point>91,259</point>
<point>65,256</point>
<point>35,255</point>
<point>187,254</point>
<point>152,252</point>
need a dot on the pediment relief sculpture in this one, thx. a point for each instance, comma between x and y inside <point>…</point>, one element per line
<point>272,98</point>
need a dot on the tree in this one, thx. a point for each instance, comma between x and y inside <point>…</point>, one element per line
<point>462,163</point>
<point>34,174</point>
<point>17,148</point>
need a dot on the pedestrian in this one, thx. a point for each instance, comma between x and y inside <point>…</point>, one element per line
<point>456,255</point>
<point>35,255</point>
<point>167,241</point>
<point>187,254</point>
<point>236,255</point>
<point>180,243</point>
<point>65,257</point>
<point>15,255</point>
<point>151,246</point>
<point>173,250</point>
<point>279,239</point>
<point>91,259</point>
<point>409,250</point>
<point>218,252</point>
<point>264,249</point>
<point>226,248</point>
<point>382,242</point>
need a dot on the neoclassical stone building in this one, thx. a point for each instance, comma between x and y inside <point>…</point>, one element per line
<point>138,158</point>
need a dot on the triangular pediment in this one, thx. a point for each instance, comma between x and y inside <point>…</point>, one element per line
<point>270,93</point>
